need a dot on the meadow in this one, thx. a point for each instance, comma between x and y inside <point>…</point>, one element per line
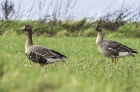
<point>86,70</point>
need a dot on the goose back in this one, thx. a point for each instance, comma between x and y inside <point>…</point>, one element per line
<point>112,49</point>
<point>44,55</point>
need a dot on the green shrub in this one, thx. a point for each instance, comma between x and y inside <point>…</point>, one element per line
<point>111,35</point>
<point>63,33</point>
<point>89,32</point>
<point>129,30</point>
<point>66,28</point>
<point>74,26</point>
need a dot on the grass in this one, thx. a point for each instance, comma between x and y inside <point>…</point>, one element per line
<point>86,70</point>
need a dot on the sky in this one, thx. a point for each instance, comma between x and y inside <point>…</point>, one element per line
<point>83,8</point>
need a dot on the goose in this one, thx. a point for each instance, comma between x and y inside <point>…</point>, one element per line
<point>110,48</point>
<point>40,54</point>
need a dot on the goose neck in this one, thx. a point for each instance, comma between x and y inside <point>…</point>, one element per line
<point>99,38</point>
<point>29,41</point>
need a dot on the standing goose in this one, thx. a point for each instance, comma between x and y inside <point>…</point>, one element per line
<point>40,54</point>
<point>112,49</point>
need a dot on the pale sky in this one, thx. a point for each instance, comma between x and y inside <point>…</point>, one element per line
<point>84,8</point>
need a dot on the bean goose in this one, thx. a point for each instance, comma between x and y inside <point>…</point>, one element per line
<point>40,54</point>
<point>110,48</point>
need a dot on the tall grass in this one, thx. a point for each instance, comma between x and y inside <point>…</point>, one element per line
<point>86,70</point>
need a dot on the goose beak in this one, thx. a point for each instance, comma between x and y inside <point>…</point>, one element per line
<point>96,27</point>
<point>23,28</point>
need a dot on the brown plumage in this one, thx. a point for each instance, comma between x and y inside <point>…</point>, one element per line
<point>110,48</point>
<point>40,54</point>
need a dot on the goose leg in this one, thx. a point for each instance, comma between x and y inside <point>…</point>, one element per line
<point>113,60</point>
<point>41,65</point>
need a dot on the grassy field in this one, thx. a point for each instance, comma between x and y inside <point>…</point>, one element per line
<point>86,70</point>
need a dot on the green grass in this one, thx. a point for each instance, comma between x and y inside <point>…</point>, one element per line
<point>86,70</point>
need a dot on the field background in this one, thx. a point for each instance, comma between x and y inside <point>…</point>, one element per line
<point>61,26</point>
<point>86,70</point>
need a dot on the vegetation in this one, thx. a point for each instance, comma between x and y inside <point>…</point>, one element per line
<point>86,70</point>
<point>67,28</point>
<point>60,19</point>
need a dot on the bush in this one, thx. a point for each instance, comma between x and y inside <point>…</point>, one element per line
<point>63,33</point>
<point>129,30</point>
<point>89,32</point>
<point>66,28</point>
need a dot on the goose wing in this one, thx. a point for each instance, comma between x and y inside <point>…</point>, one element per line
<point>58,54</point>
<point>115,47</point>
<point>42,54</point>
<point>47,53</point>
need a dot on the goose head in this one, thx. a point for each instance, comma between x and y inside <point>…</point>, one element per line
<point>98,28</point>
<point>26,28</point>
